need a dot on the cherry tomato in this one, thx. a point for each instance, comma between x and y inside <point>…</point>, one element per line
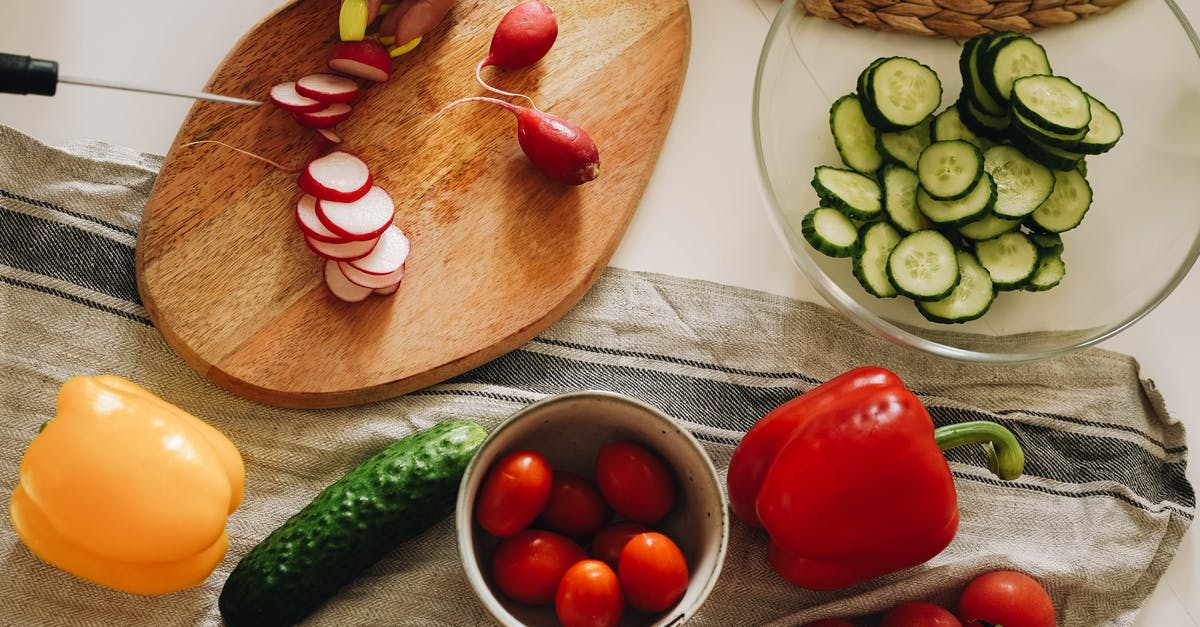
<point>1005,597</point>
<point>653,572</point>
<point>589,595</point>
<point>513,493</point>
<point>575,507</point>
<point>634,481</point>
<point>528,566</point>
<point>919,614</point>
<point>608,542</point>
<point>829,622</point>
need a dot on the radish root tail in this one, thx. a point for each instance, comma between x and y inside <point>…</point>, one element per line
<point>244,152</point>
<point>479,78</point>
<point>507,105</point>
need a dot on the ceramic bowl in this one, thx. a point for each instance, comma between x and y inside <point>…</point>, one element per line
<point>569,430</point>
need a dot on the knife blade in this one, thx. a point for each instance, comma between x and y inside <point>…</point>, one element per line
<point>27,75</point>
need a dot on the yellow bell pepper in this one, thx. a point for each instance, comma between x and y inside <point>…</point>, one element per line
<point>127,490</point>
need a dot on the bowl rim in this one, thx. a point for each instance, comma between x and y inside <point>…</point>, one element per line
<point>464,526</point>
<point>833,294</point>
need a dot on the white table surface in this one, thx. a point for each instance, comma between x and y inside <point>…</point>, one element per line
<point>704,192</point>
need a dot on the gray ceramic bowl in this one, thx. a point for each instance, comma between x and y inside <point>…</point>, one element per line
<point>569,430</point>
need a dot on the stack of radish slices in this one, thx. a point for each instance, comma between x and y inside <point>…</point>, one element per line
<point>347,220</point>
<point>317,101</point>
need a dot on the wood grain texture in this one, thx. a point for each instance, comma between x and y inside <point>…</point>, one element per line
<point>499,252</point>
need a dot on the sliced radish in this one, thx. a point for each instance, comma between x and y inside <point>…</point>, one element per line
<point>388,255</point>
<point>341,251</point>
<point>366,59</point>
<point>327,88</point>
<point>389,290</point>
<point>285,96</point>
<point>365,218</point>
<point>329,135</point>
<point>310,224</point>
<point>373,281</point>
<point>327,116</point>
<point>341,287</point>
<point>337,176</point>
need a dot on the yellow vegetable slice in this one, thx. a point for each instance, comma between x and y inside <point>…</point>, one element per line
<point>352,20</point>
<point>396,51</point>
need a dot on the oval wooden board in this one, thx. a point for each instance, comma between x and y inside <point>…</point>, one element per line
<point>499,252</point>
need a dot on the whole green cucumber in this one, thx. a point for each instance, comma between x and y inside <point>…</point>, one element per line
<point>393,496</point>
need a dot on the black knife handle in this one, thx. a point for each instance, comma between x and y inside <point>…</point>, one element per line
<point>26,75</point>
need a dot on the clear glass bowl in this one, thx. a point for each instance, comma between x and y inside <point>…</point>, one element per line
<point>1135,244</point>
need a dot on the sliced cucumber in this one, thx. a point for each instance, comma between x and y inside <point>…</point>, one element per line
<point>948,125</point>
<point>1066,206</point>
<point>1050,272</point>
<point>1047,243</point>
<point>1025,126</point>
<point>1009,59</point>
<point>854,194</point>
<point>950,169</point>
<point>987,227</point>
<point>1049,156</point>
<point>1010,259</point>
<point>1104,129</point>
<point>1021,183</point>
<point>904,147</point>
<point>949,207</point>
<point>904,92</point>
<point>968,67</point>
<point>877,240</point>
<point>969,208</point>
<point>983,124</point>
<point>830,232</point>
<point>969,300</point>
<point>923,266</point>
<point>1052,102</point>
<point>900,199</point>
<point>853,136</point>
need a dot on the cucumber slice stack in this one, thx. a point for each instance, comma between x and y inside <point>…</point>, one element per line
<point>951,205</point>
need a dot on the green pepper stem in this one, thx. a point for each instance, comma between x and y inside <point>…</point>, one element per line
<point>1004,455</point>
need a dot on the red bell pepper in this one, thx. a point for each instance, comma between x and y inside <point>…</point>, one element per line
<point>849,479</point>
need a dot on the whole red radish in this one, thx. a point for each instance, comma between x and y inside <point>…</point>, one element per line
<point>525,34</point>
<point>560,149</point>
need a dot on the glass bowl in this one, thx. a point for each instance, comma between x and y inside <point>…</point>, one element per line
<point>1136,242</point>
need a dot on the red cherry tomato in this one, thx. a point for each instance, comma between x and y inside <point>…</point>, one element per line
<point>829,622</point>
<point>528,566</point>
<point>513,493</point>
<point>653,572</point>
<point>575,507</point>
<point>919,614</point>
<point>634,481</point>
<point>589,595</point>
<point>1005,597</point>
<point>608,542</point>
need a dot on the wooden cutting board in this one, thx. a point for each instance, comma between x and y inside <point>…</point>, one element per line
<point>499,252</point>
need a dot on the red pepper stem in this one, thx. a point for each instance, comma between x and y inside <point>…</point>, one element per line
<point>1004,454</point>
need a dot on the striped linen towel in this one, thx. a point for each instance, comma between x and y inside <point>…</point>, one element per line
<point>1097,516</point>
